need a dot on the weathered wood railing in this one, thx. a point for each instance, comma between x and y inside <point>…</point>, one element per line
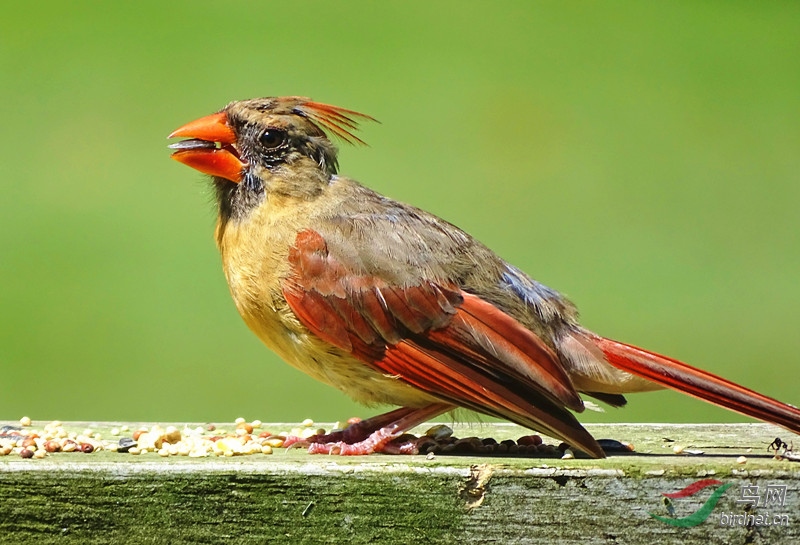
<point>292,497</point>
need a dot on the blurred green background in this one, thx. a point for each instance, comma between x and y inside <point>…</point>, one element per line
<point>642,158</point>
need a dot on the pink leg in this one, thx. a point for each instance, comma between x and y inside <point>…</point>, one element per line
<point>374,434</point>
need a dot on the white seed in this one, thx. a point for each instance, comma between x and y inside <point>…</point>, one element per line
<point>741,460</point>
<point>308,432</point>
<point>124,428</point>
<point>266,449</point>
<point>568,455</point>
<point>115,431</point>
<point>256,423</point>
<point>239,420</point>
<point>678,449</point>
<point>39,453</point>
<point>25,421</point>
<point>308,422</point>
<point>134,450</point>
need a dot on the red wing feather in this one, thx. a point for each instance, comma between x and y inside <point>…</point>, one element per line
<point>437,338</point>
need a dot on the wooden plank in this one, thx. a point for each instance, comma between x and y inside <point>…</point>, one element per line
<point>292,496</point>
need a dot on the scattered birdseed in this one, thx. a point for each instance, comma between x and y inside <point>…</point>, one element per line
<point>207,440</point>
<point>25,421</point>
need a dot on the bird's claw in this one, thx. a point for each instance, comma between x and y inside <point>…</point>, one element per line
<point>381,440</point>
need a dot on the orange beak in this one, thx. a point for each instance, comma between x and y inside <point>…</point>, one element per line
<point>210,148</point>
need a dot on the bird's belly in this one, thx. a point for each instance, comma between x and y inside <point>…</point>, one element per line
<point>328,364</point>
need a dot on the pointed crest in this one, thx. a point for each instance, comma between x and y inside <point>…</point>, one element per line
<point>339,121</point>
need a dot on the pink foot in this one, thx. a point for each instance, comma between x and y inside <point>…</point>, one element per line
<point>383,433</point>
<point>374,443</point>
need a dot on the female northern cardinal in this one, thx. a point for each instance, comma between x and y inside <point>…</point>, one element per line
<point>391,304</point>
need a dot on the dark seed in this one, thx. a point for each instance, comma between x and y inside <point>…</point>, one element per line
<point>125,444</point>
<point>424,443</point>
<point>26,453</point>
<point>463,446</point>
<point>529,440</point>
<point>192,144</point>
<point>87,448</point>
<point>612,445</point>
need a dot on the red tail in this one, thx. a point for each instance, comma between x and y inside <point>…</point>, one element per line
<point>698,383</point>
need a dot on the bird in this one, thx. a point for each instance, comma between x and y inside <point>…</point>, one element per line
<point>393,305</point>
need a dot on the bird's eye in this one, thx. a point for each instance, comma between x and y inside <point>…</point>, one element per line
<point>272,138</point>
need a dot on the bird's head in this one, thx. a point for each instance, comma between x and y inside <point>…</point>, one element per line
<point>266,145</point>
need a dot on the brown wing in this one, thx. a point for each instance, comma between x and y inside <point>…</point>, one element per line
<point>444,341</point>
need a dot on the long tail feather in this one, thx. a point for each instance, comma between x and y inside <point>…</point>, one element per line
<point>698,383</point>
